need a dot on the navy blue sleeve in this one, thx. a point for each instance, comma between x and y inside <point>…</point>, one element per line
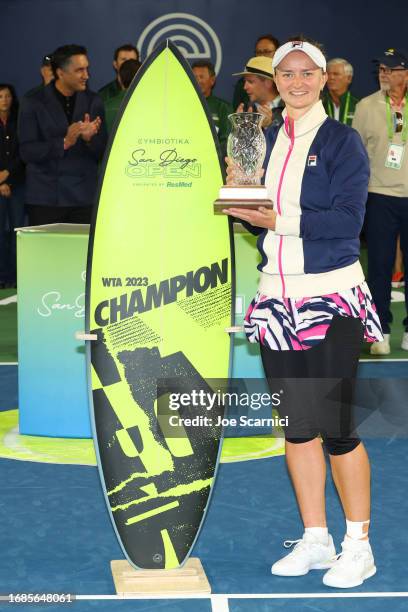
<point>254,229</point>
<point>349,172</point>
<point>34,146</point>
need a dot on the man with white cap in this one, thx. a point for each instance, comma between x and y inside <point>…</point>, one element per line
<point>260,87</point>
<point>382,121</point>
<point>313,309</point>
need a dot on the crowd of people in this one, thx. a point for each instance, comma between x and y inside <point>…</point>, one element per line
<point>51,145</point>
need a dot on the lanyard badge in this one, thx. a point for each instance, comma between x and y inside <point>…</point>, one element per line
<point>395,153</point>
<point>394,156</point>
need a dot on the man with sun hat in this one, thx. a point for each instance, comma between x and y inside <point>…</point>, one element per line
<point>260,87</point>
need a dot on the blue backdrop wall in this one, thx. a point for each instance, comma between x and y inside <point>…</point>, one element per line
<point>224,30</point>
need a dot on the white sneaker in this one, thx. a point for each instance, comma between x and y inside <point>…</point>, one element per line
<point>354,565</point>
<point>382,347</point>
<point>308,553</point>
<point>404,342</point>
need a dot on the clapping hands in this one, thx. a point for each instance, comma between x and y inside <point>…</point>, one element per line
<point>89,128</point>
<point>233,172</point>
<point>85,129</point>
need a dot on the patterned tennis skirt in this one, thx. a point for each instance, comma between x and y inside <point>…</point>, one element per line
<point>293,324</point>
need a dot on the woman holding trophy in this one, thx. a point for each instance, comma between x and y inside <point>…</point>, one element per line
<point>313,309</point>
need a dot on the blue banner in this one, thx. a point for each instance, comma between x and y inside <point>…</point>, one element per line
<point>224,32</point>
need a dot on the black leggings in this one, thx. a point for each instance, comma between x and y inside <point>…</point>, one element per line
<point>318,386</point>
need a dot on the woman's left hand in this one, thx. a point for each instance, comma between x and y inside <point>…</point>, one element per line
<point>260,217</point>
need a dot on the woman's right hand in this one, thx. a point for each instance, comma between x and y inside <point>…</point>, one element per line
<point>232,170</point>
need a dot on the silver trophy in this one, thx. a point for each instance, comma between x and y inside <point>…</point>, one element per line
<point>246,147</point>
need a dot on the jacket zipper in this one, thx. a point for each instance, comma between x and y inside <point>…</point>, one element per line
<point>290,131</point>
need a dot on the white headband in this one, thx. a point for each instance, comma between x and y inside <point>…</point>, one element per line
<point>297,45</point>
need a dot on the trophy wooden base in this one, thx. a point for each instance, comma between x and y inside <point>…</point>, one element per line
<point>220,205</point>
<point>243,196</point>
<point>184,580</point>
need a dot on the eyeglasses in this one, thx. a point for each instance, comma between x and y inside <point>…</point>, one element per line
<point>384,70</point>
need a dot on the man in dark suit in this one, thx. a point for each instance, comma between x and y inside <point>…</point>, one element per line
<point>62,138</point>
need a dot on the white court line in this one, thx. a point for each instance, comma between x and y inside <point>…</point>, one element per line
<point>252,596</point>
<point>9,300</point>
<point>147,596</point>
<point>382,360</point>
<point>311,595</point>
<point>219,603</point>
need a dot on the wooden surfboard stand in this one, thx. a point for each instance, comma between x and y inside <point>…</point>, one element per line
<point>185,580</point>
<point>235,329</point>
<point>84,336</point>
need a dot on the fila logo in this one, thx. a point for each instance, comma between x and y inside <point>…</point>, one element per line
<point>312,160</point>
<point>297,44</point>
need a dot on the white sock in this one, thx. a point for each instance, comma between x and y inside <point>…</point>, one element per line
<point>355,529</point>
<point>321,533</point>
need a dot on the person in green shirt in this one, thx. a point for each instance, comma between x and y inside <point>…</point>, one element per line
<point>220,109</point>
<point>338,101</point>
<point>122,54</point>
<point>125,76</point>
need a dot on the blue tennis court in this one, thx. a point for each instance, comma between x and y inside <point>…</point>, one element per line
<point>57,536</point>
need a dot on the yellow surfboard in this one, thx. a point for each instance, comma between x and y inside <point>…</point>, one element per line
<point>159,297</point>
